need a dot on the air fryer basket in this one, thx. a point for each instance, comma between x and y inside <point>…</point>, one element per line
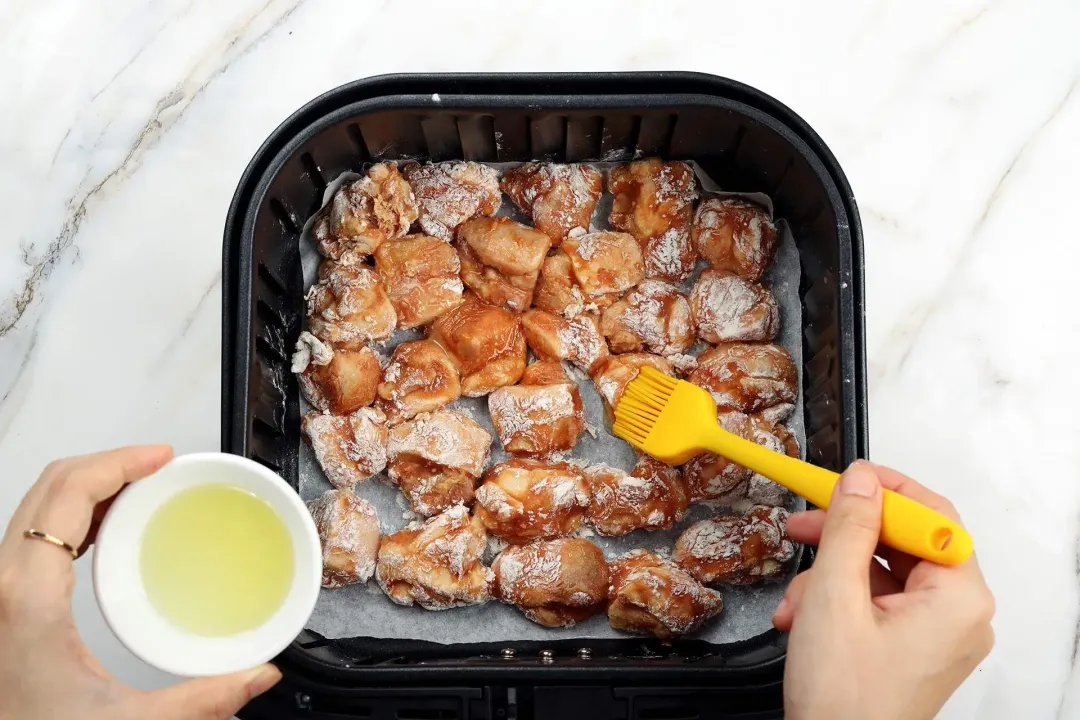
<point>745,140</point>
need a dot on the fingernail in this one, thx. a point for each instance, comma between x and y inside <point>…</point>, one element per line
<point>264,678</point>
<point>859,479</point>
<point>782,607</point>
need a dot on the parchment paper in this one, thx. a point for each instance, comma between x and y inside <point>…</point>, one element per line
<point>364,611</point>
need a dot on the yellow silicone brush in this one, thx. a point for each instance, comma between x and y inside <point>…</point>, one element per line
<point>673,420</point>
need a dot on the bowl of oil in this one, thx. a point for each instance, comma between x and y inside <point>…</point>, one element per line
<point>209,566</point>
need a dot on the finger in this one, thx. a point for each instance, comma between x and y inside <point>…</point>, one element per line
<point>850,534</point>
<point>805,527</point>
<point>66,509</point>
<point>100,510</point>
<point>901,483</point>
<point>784,615</point>
<point>900,564</point>
<point>881,583</point>
<point>918,574</point>
<point>212,698</point>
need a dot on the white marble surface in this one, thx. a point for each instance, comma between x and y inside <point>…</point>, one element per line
<point>125,126</point>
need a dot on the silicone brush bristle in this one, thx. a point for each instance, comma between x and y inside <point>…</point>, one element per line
<point>630,434</point>
<point>652,388</point>
<point>641,404</point>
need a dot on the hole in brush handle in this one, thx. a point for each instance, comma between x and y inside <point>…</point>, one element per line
<point>942,538</point>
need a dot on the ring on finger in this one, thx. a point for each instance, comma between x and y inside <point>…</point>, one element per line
<point>52,540</point>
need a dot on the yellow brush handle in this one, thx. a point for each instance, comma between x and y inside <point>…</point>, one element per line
<point>906,525</point>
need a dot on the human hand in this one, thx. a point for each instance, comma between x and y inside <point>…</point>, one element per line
<point>46,672</point>
<point>869,642</point>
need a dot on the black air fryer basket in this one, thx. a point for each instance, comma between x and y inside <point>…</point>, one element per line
<point>744,140</point>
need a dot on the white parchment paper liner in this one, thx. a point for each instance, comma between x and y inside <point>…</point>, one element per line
<point>364,611</point>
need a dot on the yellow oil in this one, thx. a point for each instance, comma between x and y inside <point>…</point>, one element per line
<point>216,560</point>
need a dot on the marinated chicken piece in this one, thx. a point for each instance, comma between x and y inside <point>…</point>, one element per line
<point>484,342</point>
<point>420,377</point>
<point>449,193</point>
<point>364,214</point>
<point>713,477</point>
<point>736,549</point>
<point>421,276</point>
<point>546,372</point>
<point>652,596</point>
<point>727,308</point>
<point>537,419</point>
<point>748,378</point>
<point>654,316</point>
<point>349,448</point>
<point>522,500</point>
<point>349,534</point>
<point>436,565</point>
<point>653,496</point>
<point>558,292</point>
<point>554,337</point>
<point>501,259</point>
<point>735,236</point>
<point>342,381</point>
<point>349,306</point>
<point>654,202</point>
<point>613,374</point>
<point>777,414</point>
<point>560,198</point>
<point>509,247</point>
<point>556,583</point>
<point>435,459</point>
<point>604,262</point>
<point>760,490</point>
<point>513,292</point>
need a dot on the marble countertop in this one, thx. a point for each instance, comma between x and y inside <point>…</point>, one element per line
<point>126,125</point>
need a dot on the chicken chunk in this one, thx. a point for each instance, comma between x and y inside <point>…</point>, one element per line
<point>501,260</point>
<point>613,374</point>
<point>554,337</point>
<point>340,382</point>
<point>364,214</point>
<point>349,448</point>
<point>436,565</point>
<point>654,316</point>
<point>653,496</point>
<point>557,290</point>
<point>449,193</point>
<point>560,198</point>
<point>604,262</point>
<point>735,236</point>
<point>727,308</point>
<point>522,500</point>
<point>654,202</point>
<point>652,596</point>
<point>421,274</point>
<point>556,583</point>
<point>349,306</point>
<point>485,343</point>
<point>435,459</point>
<point>736,549</point>
<point>420,377</point>
<point>748,378</point>
<point>537,419</point>
<point>348,529</point>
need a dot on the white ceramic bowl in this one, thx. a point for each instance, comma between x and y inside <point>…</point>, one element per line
<point>122,597</point>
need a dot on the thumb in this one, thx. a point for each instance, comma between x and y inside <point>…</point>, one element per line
<point>210,698</point>
<point>850,534</point>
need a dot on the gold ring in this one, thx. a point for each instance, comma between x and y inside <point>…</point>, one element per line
<point>52,540</point>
